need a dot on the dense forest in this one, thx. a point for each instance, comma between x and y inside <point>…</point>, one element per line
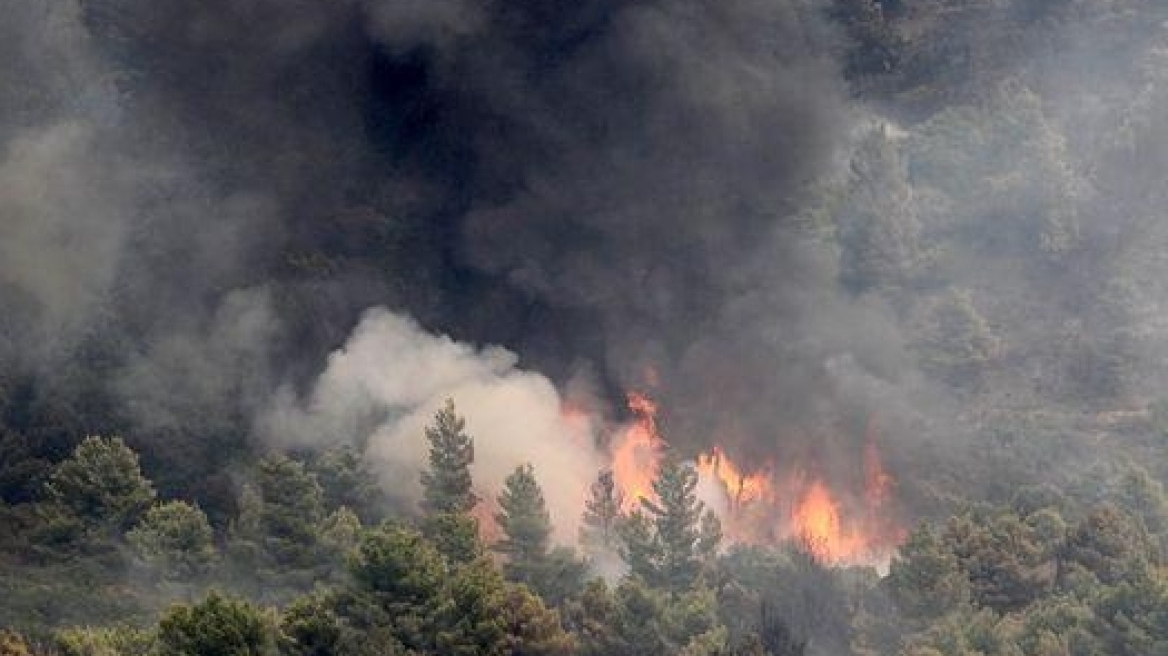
<point>615,327</point>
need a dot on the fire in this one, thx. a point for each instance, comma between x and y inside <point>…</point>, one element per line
<point>845,525</point>
<point>878,482</point>
<point>836,526</point>
<point>636,454</point>
<point>816,523</point>
<point>742,488</point>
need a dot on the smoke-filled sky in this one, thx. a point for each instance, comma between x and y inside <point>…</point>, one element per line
<point>204,197</point>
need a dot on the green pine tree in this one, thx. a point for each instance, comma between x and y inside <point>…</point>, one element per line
<point>398,580</point>
<point>176,539</point>
<point>292,511</point>
<point>102,484</point>
<point>448,496</point>
<point>526,526</point>
<point>685,532</point>
<point>602,516</point>
<point>216,626</point>
<point>447,483</point>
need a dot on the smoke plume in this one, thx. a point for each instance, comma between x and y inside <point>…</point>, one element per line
<point>383,387</point>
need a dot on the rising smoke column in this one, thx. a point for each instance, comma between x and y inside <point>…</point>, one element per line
<point>605,184</point>
<point>638,164</point>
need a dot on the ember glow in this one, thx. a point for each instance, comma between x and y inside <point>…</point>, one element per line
<point>839,524</point>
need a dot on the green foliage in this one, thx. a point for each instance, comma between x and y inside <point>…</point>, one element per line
<point>1002,558</point>
<point>637,620</point>
<point>562,577</point>
<point>925,577</point>
<point>101,484</point>
<point>639,547</point>
<point>526,525</point>
<point>23,470</point>
<point>675,537</point>
<point>1107,545</point>
<point>879,232</point>
<point>1132,617</point>
<point>599,532</point>
<point>787,599</point>
<point>470,621</point>
<point>1143,496</point>
<point>1005,168</point>
<point>313,626</point>
<point>482,614</point>
<point>962,633</point>
<point>339,531</point>
<point>954,341</point>
<point>110,641</point>
<point>216,626</point>
<point>532,628</point>
<point>176,539</point>
<point>292,510</point>
<point>523,518</point>
<point>447,482</point>
<point>456,536</point>
<point>347,481</point>
<point>310,627</point>
<point>403,575</point>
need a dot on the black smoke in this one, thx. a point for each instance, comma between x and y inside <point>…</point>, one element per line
<point>202,197</point>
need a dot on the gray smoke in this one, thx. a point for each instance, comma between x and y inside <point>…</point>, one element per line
<point>604,183</point>
<point>383,387</point>
<point>199,199</point>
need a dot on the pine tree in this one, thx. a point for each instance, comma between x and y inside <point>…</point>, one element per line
<point>175,538</point>
<point>526,526</point>
<point>447,484</point>
<point>101,484</point>
<point>447,495</point>
<point>602,516</point>
<point>292,510</point>
<point>216,625</point>
<point>401,575</point>
<point>639,547</point>
<point>684,531</point>
<point>348,480</point>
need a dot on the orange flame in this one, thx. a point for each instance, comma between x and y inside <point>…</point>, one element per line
<point>878,482</point>
<point>741,488</point>
<point>636,454</point>
<point>838,526</point>
<point>816,523</point>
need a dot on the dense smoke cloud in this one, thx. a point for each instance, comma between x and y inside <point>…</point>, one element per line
<point>383,387</point>
<point>599,185</point>
<point>638,163</point>
<point>200,200</point>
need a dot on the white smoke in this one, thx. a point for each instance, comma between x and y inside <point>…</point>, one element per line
<point>382,388</point>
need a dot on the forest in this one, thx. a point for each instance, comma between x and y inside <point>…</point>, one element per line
<point>615,327</point>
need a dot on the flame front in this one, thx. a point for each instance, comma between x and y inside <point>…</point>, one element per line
<point>741,488</point>
<point>838,526</point>
<point>816,523</point>
<point>637,451</point>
